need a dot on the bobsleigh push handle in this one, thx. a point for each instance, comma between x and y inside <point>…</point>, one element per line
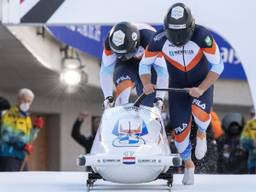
<point>143,95</point>
<point>139,100</point>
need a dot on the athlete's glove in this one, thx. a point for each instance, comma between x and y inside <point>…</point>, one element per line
<point>159,103</point>
<point>108,102</point>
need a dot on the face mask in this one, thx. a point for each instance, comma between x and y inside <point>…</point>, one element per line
<point>24,107</point>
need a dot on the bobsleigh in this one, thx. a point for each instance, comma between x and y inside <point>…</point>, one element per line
<point>130,147</point>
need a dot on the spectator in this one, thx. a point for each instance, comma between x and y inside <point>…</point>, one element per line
<point>17,133</point>
<point>4,104</point>
<point>232,158</point>
<point>84,141</point>
<point>248,142</point>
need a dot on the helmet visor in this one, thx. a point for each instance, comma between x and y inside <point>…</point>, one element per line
<point>126,56</point>
<point>179,37</point>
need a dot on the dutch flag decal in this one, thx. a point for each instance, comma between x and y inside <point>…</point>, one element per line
<point>129,160</point>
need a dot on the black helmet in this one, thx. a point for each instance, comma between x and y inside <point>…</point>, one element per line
<point>179,24</point>
<point>124,40</point>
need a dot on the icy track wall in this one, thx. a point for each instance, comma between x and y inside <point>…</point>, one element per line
<point>235,20</point>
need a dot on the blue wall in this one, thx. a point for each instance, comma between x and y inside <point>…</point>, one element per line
<point>90,39</point>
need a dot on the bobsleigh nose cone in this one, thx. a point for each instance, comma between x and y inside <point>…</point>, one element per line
<point>176,161</point>
<point>81,161</point>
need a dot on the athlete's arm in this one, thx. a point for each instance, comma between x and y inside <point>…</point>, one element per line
<point>106,79</point>
<point>162,76</point>
<point>212,54</point>
<point>106,73</point>
<point>153,57</point>
<point>145,67</point>
<point>145,71</point>
<point>206,83</point>
<point>159,65</point>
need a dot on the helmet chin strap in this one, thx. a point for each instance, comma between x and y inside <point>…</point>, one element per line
<point>179,45</point>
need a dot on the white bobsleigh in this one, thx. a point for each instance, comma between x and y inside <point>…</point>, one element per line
<point>130,146</point>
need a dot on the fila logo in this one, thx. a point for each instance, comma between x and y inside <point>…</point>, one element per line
<point>180,129</point>
<point>199,104</point>
<point>122,78</point>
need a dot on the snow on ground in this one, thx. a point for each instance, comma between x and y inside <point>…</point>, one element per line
<point>75,182</point>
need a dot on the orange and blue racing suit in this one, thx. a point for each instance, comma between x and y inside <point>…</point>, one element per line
<point>187,66</point>
<point>125,74</point>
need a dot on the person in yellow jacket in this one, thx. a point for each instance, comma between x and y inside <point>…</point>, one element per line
<point>17,132</point>
<point>248,142</point>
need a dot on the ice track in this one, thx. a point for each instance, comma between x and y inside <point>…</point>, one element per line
<point>75,182</point>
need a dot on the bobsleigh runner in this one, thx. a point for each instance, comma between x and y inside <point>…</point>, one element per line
<point>131,147</point>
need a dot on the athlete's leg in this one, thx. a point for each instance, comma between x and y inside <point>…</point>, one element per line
<point>124,79</point>
<point>201,108</point>
<point>180,121</point>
